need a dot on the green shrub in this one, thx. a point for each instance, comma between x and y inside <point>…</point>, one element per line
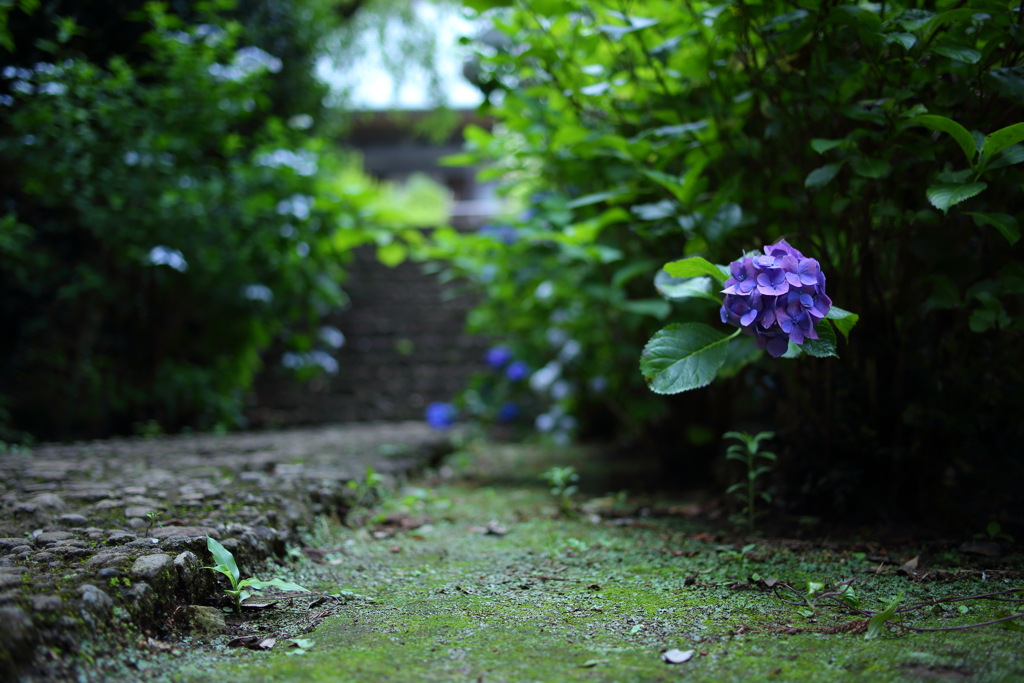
<point>159,227</point>
<point>858,132</point>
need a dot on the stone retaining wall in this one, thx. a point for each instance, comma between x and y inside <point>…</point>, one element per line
<point>405,348</point>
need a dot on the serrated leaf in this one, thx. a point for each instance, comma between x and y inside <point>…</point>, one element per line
<point>223,557</point>
<point>907,40</point>
<point>944,195</point>
<point>825,345</point>
<point>595,198</point>
<point>683,356</point>
<point>876,626</point>
<point>842,319</point>
<point>870,168</point>
<point>1002,138</point>
<point>694,266</point>
<point>820,145</point>
<point>913,19</point>
<point>678,289</point>
<point>822,176</point>
<point>962,136</point>
<point>1003,222</point>
<point>617,32</point>
<point>1014,154</point>
<point>963,54</point>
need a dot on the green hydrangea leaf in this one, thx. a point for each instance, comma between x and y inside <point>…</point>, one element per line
<point>825,345</point>
<point>1003,222</point>
<point>944,195</point>
<point>683,356</point>
<point>822,176</point>
<point>695,266</point>
<point>843,320</point>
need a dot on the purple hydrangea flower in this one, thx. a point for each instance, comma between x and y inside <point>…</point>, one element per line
<point>517,371</point>
<point>441,415</point>
<point>776,297</point>
<point>498,356</point>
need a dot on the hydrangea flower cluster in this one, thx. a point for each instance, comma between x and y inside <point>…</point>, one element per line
<point>776,297</point>
<point>441,415</point>
<point>501,358</point>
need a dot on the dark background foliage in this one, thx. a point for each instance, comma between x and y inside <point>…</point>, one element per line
<point>118,137</point>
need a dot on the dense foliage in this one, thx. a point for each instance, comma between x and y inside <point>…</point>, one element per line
<point>880,138</point>
<point>165,212</point>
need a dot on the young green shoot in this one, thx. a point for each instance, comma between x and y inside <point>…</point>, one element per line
<point>749,452</point>
<point>242,588</point>
<point>563,487</point>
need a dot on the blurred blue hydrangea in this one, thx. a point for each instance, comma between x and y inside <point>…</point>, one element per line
<point>441,415</point>
<point>517,371</point>
<point>509,411</point>
<point>776,297</point>
<point>498,356</point>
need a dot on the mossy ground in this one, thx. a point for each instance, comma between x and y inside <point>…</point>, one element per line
<point>559,599</point>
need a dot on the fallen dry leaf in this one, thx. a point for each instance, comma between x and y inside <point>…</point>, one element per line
<point>590,663</point>
<point>910,566</point>
<point>258,605</point>
<point>264,644</point>
<point>674,656</point>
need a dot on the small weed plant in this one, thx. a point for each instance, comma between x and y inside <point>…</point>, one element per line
<point>563,486</point>
<point>749,452</point>
<point>242,588</point>
<point>994,533</point>
<point>367,489</point>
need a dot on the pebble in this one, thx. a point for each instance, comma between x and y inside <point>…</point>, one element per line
<point>48,501</point>
<point>107,559</point>
<point>8,581</point>
<point>95,600</point>
<point>120,538</point>
<point>73,520</point>
<point>50,537</point>
<point>45,604</point>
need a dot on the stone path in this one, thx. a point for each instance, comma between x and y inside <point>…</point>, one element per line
<point>113,532</point>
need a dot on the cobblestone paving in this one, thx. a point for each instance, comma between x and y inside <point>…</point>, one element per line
<point>105,532</point>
